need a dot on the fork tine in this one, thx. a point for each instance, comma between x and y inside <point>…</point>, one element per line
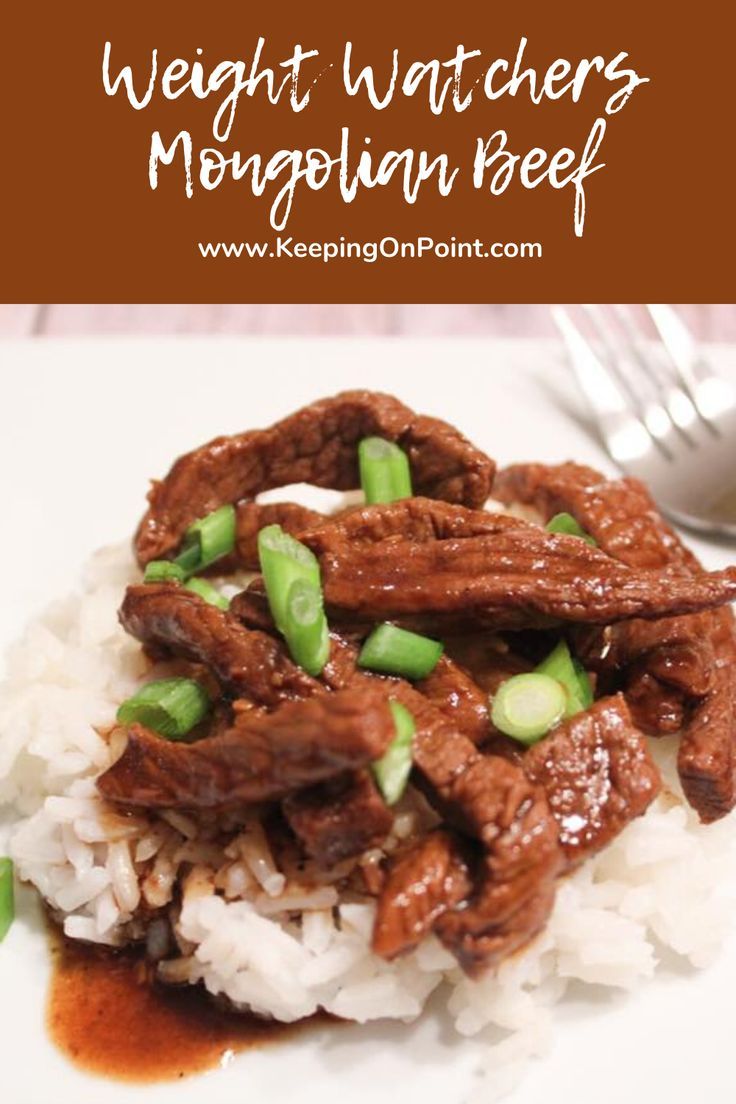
<point>674,404</point>
<point>649,411</point>
<point>709,394</point>
<point>625,434</point>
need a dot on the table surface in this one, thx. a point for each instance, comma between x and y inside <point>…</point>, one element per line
<point>709,322</point>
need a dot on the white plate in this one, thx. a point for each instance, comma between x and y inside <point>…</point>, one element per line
<point>83,425</point>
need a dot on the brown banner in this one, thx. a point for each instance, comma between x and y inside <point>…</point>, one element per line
<point>584,152</point>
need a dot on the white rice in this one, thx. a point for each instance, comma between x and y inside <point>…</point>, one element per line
<point>272,939</point>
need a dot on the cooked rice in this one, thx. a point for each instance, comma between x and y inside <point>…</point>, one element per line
<point>280,941</point>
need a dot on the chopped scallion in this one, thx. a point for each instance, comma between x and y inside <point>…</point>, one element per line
<point>297,610</point>
<point>206,590</point>
<point>586,686</point>
<point>172,707</point>
<point>163,571</point>
<point>396,651</point>
<point>7,897</point>
<point>384,470</point>
<point>207,540</point>
<point>574,679</point>
<point>392,770</point>
<point>526,707</point>
<point>566,523</point>
<point>306,626</point>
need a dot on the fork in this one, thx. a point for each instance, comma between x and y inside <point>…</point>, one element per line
<point>663,415</point>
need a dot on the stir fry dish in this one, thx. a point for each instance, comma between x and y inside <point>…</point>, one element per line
<point>506,669</point>
<point>313,762</point>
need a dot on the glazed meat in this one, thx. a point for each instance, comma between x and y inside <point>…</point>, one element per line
<point>619,513</point>
<point>521,569</point>
<point>707,755</point>
<point>598,775</point>
<point>667,662</point>
<point>507,820</point>
<point>339,819</point>
<point>415,519</point>
<point>250,517</point>
<point>258,758</point>
<point>679,670</point>
<point>461,701</point>
<point>490,800</point>
<point>428,878</point>
<point>247,664</point>
<point>317,445</point>
<point>522,858</point>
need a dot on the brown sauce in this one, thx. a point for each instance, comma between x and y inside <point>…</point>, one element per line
<point>108,1016</point>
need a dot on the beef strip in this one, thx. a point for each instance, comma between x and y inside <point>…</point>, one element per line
<point>690,658</point>
<point>317,445</point>
<point>339,819</point>
<point>522,568</point>
<point>619,513</point>
<point>416,519</point>
<point>597,773</point>
<point>251,607</point>
<point>259,757</point>
<point>458,698</point>
<point>671,659</point>
<point>423,882</point>
<point>488,659</point>
<point>246,663</point>
<point>522,858</point>
<point>707,753</point>
<point>251,517</point>
<point>449,687</point>
<point>158,773</point>
<point>492,801</point>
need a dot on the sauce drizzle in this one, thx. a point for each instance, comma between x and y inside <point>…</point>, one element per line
<point>108,1016</point>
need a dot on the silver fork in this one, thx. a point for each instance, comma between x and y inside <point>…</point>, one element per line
<point>663,414</point>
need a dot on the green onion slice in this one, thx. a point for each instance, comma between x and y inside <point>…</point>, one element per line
<point>566,523</point>
<point>584,683</point>
<point>298,611</point>
<point>206,590</point>
<point>384,470</point>
<point>163,571</point>
<point>526,707</point>
<point>395,651</point>
<point>392,770</point>
<point>7,897</point>
<point>306,626</point>
<point>208,539</point>
<point>172,707</point>
<point>573,677</point>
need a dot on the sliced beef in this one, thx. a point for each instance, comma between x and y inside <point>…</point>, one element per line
<point>259,757</point>
<point>682,670</point>
<point>619,513</point>
<point>423,882</point>
<point>488,659</point>
<point>247,663</point>
<point>251,517</point>
<point>657,708</point>
<point>251,607</point>
<point>416,519</point>
<point>522,858</point>
<point>339,819</point>
<point>673,657</point>
<point>597,774</point>
<point>707,753</point>
<point>458,698</point>
<point>522,568</point>
<point>491,800</point>
<point>449,687</point>
<point>317,445</point>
